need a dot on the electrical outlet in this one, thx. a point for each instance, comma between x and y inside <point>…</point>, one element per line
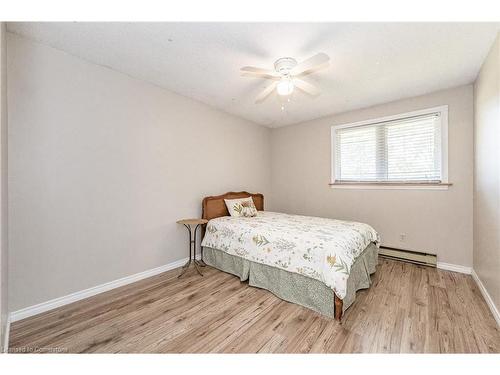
<point>402,237</point>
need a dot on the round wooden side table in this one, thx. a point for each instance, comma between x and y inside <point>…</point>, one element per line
<point>192,226</point>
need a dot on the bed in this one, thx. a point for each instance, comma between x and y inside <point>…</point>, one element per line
<point>315,262</point>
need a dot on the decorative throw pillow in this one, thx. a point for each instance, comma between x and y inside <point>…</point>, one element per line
<point>241,207</point>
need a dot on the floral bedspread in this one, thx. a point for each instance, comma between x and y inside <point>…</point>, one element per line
<point>320,248</point>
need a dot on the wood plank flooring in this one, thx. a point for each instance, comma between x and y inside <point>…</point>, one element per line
<point>408,309</point>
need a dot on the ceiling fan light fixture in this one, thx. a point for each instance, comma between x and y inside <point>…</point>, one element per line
<point>285,87</point>
<point>287,75</point>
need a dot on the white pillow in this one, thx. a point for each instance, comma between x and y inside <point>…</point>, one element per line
<point>243,207</point>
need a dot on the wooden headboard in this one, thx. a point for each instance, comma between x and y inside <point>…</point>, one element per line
<point>215,206</point>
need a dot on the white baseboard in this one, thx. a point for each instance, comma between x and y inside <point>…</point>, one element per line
<point>454,268</point>
<point>487,297</point>
<point>5,346</point>
<point>77,296</point>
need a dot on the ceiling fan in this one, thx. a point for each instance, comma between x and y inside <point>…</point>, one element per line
<point>285,75</point>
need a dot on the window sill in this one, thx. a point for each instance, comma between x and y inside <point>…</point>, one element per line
<point>391,185</point>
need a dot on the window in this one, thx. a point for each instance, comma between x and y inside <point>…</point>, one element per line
<point>407,149</point>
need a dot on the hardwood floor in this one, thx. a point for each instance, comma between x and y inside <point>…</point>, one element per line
<point>408,309</point>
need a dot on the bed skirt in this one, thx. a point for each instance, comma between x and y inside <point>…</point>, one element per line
<point>293,287</point>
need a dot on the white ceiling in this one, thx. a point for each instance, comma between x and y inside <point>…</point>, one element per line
<point>371,63</point>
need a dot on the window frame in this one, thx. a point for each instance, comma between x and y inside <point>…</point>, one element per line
<point>443,185</point>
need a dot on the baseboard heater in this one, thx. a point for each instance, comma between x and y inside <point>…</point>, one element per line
<point>411,256</point>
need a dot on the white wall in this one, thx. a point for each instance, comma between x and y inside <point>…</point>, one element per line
<point>434,221</point>
<point>487,174</point>
<point>3,187</point>
<point>102,165</point>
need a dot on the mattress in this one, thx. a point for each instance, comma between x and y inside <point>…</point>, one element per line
<point>318,248</point>
<point>293,287</point>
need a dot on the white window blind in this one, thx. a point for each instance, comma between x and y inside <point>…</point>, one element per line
<point>408,149</point>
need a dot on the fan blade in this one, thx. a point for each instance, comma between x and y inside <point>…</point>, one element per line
<point>259,71</point>
<point>306,87</point>
<point>259,75</point>
<point>266,92</point>
<point>311,63</point>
